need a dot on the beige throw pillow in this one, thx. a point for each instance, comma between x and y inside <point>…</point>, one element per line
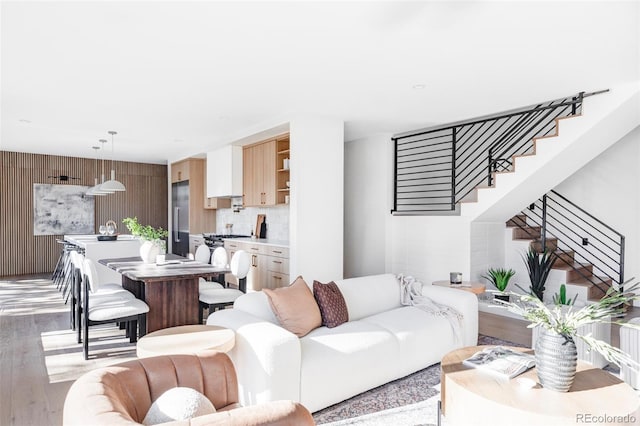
<point>295,307</point>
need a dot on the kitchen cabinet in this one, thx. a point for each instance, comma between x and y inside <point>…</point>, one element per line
<point>180,171</point>
<point>200,219</point>
<point>259,177</point>
<point>194,242</point>
<point>269,264</point>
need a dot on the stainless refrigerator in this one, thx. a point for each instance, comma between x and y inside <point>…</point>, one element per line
<point>180,231</point>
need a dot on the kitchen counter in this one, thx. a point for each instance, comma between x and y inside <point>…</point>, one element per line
<point>265,241</point>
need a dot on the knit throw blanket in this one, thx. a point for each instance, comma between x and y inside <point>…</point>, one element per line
<point>411,295</point>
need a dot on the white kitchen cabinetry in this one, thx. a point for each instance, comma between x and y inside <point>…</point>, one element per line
<point>224,172</point>
<point>269,264</point>
<point>194,242</point>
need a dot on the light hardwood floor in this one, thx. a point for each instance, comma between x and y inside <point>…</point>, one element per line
<point>39,356</point>
<point>40,359</point>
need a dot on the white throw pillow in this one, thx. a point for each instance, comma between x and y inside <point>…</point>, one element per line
<point>178,404</point>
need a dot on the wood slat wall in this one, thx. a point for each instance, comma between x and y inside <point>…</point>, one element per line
<point>23,253</point>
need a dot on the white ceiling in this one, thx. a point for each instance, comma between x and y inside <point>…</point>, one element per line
<point>180,78</point>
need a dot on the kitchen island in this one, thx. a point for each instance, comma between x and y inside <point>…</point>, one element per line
<point>124,246</point>
<point>170,289</point>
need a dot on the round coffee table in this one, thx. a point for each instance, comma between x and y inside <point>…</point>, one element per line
<point>474,397</point>
<point>185,339</point>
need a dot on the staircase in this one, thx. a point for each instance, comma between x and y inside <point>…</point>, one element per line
<point>578,139</point>
<point>578,276</point>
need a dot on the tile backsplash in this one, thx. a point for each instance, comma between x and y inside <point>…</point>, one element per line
<point>244,221</point>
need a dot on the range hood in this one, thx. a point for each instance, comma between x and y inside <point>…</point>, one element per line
<point>224,172</point>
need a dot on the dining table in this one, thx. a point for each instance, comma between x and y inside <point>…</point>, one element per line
<point>170,288</point>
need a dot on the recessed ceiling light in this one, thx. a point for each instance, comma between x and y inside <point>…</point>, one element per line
<point>419,86</point>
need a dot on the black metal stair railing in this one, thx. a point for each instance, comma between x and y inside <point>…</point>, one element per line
<point>436,168</point>
<point>578,232</point>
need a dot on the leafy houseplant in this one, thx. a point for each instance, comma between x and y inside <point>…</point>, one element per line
<point>538,265</point>
<point>500,277</point>
<point>154,238</point>
<point>560,329</point>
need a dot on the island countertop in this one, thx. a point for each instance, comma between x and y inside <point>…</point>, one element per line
<point>83,241</point>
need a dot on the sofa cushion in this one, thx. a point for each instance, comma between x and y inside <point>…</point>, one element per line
<point>370,295</point>
<point>295,307</point>
<point>179,403</point>
<point>423,338</point>
<point>333,308</point>
<point>340,362</point>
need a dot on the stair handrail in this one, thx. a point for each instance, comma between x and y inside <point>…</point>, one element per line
<point>548,212</point>
<point>436,167</point>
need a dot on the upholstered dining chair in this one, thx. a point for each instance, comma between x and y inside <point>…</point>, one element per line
<point>213,299</point>
<point>108,305</point>
<point>77,261</point>
<point>123,394</point>
<point>203,254</point>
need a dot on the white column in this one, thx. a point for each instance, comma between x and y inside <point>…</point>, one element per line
<point>317,198</point>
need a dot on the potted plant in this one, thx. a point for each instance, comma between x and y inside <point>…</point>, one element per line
<point>555,349</point>
<point>538,266</point>
<point>500,277</point>
<point>560,298</point>
<point>154,238</point>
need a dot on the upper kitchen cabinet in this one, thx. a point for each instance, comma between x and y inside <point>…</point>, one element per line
<point>264,182</point>
<point>180,171</point>
<point>193,171</point>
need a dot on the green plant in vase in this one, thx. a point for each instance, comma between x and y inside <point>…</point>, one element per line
<point>560,327</point>
<point>500,277</point>
<point>154,238</point>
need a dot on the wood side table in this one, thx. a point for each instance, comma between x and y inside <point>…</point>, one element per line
<point>474,287</point>
<point>474,397</point>
<point>186,339</point>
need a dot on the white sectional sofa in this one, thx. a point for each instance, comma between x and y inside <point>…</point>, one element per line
<point>382,341</point>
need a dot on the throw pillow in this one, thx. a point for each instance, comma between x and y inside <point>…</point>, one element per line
<point>333,307</point>
<point>295,307</point>
<point>178,404</point>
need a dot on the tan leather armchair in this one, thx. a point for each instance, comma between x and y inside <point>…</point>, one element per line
<point>122,394</point>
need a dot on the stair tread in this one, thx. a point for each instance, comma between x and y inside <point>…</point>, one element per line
<point>575,265</point>
<point>586,282</point>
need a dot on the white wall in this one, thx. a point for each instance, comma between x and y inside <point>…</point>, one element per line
<point>430,247</point>
<point>368,181</point>
<point>317,198</point>
<point>487,249</point>
<point>426,247</point>
<point>609,188</point>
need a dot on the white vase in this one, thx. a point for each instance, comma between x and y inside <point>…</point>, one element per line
<point>149,250</point>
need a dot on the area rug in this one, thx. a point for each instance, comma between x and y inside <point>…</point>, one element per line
<point>411,400</point>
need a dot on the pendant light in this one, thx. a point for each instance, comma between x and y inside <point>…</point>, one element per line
<point>95,189</point>
<point>112,184</point>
